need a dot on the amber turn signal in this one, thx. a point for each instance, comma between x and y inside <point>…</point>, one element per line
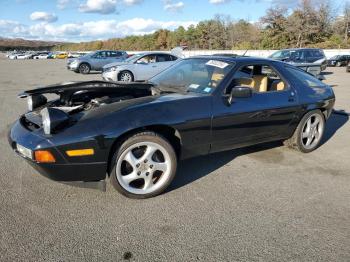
<point>44,156</point>
<point>81,152</point>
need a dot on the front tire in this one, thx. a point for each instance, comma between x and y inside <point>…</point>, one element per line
<point>308,135</point>
<point>84,68</point>
<point>126,76</point>
<point>143,165</point>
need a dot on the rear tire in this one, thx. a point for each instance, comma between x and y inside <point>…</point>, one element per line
<point>143,165</point>
<point>84,68</point>
<point>308,135</point>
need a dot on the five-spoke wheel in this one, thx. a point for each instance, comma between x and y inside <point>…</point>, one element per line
<point>145,164</point>
<point>308,134</point>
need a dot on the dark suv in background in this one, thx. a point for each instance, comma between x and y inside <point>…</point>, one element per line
<point>339,60</point>
<point>312,60</point>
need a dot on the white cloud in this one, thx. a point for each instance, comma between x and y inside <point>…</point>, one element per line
<point>98,6</point>
<point>173,7</point>
<point>62,4</point>
<point>218,2</point>
<point>85,31</point>
<point>43,16</point>
<point>11,28</point>
<point>132,2</point>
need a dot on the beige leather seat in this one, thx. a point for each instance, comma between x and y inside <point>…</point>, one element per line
<point>278,85</point>
<point>260,83</point>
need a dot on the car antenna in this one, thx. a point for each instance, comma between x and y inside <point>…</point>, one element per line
<point>245,52</point>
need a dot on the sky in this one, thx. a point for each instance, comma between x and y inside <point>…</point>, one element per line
<point>85,20</point>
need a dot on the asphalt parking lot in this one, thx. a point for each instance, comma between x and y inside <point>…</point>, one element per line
<point>263,203</point>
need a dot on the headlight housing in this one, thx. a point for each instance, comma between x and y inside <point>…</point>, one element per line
<point>35,101</point>
<point>111,69</point>
<point>53,119</point>
<point>74,63</point>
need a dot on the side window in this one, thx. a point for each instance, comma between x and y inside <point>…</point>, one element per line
<point>260,77</point>
<point>114,54</point>
<point>306,78</point>
<point>147,59</point>
<point>101,54</point>
<point>97,55</point>
<point>162,58</point>
<point>173,58</point>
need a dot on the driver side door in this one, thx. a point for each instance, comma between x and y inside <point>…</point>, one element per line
<point>264,116</point>
<point>144,67</point>
<point>99,60</point>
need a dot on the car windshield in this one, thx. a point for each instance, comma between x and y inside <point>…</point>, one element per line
<point>200,75</point>
<point>281,54</point>
<point>335,57</point>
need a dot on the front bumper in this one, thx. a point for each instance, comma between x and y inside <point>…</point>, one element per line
<point>73,67</point>
<point>110,76</point>
<point>62,169</point>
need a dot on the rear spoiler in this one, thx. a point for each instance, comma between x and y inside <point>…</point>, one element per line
<point>72,87</point>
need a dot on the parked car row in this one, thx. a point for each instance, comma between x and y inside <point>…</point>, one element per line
<point>117,65</point>
<point>43,55</point>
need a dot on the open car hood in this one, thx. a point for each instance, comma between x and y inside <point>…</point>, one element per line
<point>71,87</point>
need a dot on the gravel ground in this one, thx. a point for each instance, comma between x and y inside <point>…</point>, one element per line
<point>263,203</point>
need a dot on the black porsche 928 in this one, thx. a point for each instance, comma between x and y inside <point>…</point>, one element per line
<point>136,133</point>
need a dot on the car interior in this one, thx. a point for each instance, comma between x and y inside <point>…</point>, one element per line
<point>261,78</point>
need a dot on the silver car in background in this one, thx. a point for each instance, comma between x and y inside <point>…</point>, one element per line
<point>95,61</point>
<point>139,67</point>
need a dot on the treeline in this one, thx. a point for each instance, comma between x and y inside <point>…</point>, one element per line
<point>311,24</point>
<point>9,44</point>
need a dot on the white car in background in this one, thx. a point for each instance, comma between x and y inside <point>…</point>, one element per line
<point>139,67</point>
<point>41,56</point>
<point>24,56</point>
<point>14,55</point>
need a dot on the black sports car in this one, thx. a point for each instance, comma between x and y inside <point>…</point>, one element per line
<point>136,133</point>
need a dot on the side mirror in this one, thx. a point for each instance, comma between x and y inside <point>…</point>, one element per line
<point>240,92</point>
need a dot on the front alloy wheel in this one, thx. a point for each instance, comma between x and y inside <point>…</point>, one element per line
<point>145,165</point>
<point>84,68</point>
<point>126,76</point>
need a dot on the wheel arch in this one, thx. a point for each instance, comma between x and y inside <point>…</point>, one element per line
<point>324,110</point>
<point>170,133</point>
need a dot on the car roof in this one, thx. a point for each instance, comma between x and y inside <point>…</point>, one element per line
<point>235,59</point>
<point>108,51</point>
<point>153,53</point>
<point>295,49</point>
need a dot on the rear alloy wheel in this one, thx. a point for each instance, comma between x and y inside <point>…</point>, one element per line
<point>144,166</point>
<point>308,135</point>
<point>126,76</point>
<point>84,68</point>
